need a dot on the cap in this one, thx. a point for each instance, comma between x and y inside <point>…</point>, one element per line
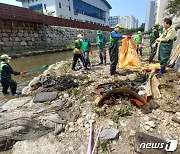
<point>118,25</point>
<point>156,24</point>
<point>79,36</point>
<point>99,32</point>
<point>5,56</point>
<point>139,32</point>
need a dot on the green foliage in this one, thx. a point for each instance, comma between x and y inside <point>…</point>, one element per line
<point>105,146</point>
<point>173,7</point>
<point>47,103</point>
<point>74,91</point>
<point>125,111</point>
<point>167,87</point>
<point>130,31</point>
<point>116,120</point>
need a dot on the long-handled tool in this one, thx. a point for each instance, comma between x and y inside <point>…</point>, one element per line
<point>43,67</point>
<point>97,138</point>
<point>90,139</point>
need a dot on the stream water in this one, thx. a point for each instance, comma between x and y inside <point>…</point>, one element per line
<point>28,63</point>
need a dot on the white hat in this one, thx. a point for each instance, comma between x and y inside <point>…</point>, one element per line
<point>79,36</point>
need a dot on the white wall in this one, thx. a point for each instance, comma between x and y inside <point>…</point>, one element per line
<point>64,10</point>
<point>50,4</point>
<point>162,4</point>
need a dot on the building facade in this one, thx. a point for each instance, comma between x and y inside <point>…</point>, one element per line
<point>150,16</point>
<point>113,20</point>
<point>160,10</point>
<point>129,22</point>
<point>91,11</point>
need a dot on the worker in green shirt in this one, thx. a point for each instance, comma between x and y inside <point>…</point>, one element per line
<point>165,45</point>
<point>86,48</point>
<point>153,36</point>
<point>139,42</point>
<point>114,48</point>
<point>101,47</point>
<point>78,53</point>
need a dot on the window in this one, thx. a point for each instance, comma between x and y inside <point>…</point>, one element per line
<point>88,9</point>
<point>69,8</point>
<point>59,5</point>
<point>28,1</point>
<point>45,6</point>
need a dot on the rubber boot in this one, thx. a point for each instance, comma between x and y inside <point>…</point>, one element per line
<point>162,71</point>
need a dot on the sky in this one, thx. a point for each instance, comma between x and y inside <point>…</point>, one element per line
<point>120,8</point>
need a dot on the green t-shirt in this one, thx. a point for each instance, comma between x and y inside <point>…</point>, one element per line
<point>86,45</point>
<point>138,39</point>
<point>101,42</point>
<point>78,45</point>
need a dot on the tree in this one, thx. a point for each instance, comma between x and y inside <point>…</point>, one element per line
<point>173,7</point>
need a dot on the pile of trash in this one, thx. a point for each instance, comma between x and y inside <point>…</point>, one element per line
<point>137,91</point>
<point>48,83</point>
<point>51,83</point>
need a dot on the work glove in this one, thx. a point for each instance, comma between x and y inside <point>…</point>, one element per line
<point>23,72</point>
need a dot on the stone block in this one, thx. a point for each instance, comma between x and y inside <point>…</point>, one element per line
<point>20,34</point>
<point>7,48</point>
<point>23,43</point>
<point>5,35</point>
<point>8,44</point>
<point>5,39</point>
<point>17,39</point>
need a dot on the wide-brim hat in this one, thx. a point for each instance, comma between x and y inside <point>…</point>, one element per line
<point>5,56</point>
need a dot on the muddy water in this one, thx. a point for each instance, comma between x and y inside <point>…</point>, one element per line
<point>27,63</point>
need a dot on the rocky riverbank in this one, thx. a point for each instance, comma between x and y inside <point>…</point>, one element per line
<point>57,107</point>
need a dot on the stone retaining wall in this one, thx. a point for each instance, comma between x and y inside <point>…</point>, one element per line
<point>23,36</point>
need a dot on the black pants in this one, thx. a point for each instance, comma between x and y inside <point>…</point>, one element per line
<point>139,49</point>
<point>75,59</point>
<point>113,53</point>
<point>152,54</point>
<point>6,83</point>
<point>102,55</point>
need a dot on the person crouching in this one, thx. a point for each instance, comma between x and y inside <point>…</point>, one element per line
<point>5,74</point>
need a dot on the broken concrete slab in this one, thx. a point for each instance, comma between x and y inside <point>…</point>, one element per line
<point>109,133</point>
<point>141,144</point>
<point>16,103</point>
<point>45,96</point>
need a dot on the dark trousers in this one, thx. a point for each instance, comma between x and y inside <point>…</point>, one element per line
<point>102,55</point>
<point>139,49</point>
<point>152,54</point>
<point>75,59</point>
<point>113,53</point>
<point>86,58</point>
<point>6,83</point>
<point>165,49</point>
